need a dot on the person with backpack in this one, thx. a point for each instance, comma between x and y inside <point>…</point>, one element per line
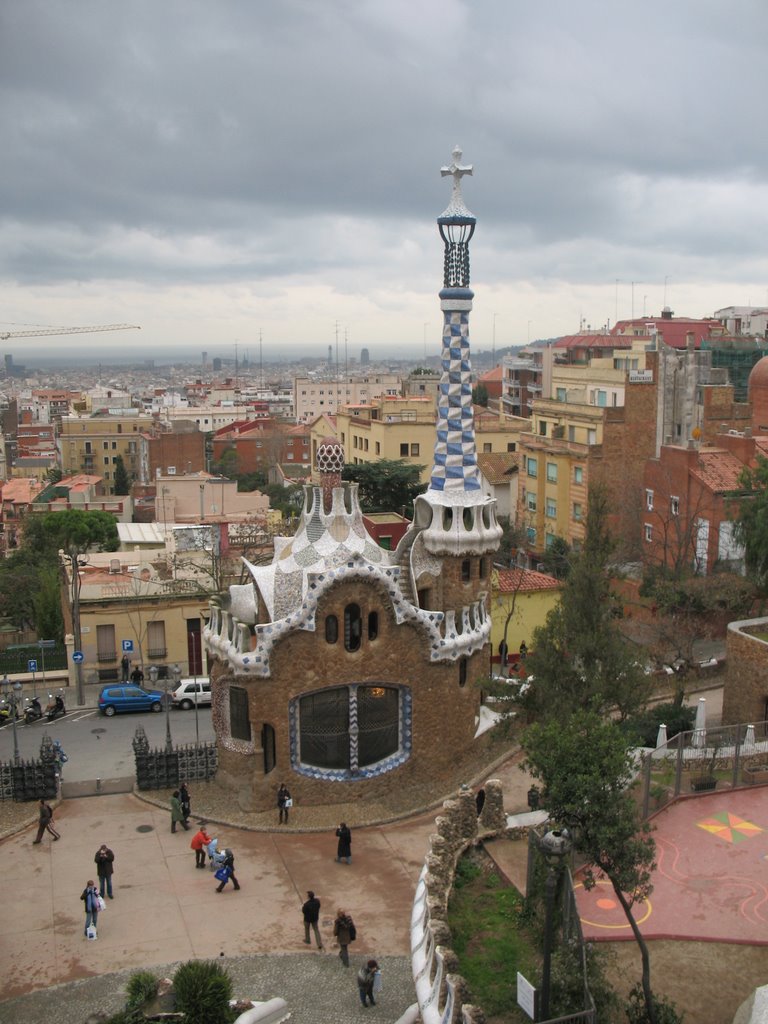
<point>344,932</point>
<point>365,979</point>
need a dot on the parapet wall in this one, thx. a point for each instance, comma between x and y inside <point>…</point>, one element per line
<point>442,993</point>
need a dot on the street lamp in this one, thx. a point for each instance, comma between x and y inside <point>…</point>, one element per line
<point>11,691</point>
<point>555,847</point>
<point>175,676</point>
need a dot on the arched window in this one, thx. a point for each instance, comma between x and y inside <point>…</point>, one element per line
<point>353,627</point>
<point>463,672</point>
<point>331,629</point>
<point>268,746</point>
<point>239,723</point>
<point>373,625</point>
<point>327,739</point>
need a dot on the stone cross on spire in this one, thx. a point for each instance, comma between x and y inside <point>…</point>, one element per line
<point>456,207</point>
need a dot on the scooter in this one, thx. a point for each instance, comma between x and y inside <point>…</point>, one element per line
<point>33,711</point>
<point>56,708</point>
<point>5,712</point>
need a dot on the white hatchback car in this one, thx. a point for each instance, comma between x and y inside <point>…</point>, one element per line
<point>191,691</point>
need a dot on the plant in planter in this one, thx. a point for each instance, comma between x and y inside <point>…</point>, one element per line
<point>703,779</point>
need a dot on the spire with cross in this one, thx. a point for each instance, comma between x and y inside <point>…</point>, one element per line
<point>456,207</point>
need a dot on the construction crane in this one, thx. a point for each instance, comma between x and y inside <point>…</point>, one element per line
<point>41,331</point>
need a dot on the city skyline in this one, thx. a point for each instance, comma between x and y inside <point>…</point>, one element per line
<point>221,175</point>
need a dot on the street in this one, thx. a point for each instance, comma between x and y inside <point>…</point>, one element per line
<point>99,747</point>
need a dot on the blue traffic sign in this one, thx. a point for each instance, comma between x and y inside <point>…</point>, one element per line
<point>127,646</point>
<point>78,657</point>
<point>32,665</point>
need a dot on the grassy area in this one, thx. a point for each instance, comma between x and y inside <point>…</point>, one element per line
<point>490,938</point>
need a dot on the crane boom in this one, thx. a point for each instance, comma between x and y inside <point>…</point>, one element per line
<point>40,332</point>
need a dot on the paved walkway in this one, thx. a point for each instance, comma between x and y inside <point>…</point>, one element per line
<point>165,911</point>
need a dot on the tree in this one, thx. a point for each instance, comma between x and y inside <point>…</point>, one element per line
<point>579,658</point>
<point>122,479</point>
<point>586,768</point>
<point>749,511</point>
<point>557,558</point>
<point>75,532</point>
<point>388,485</point>
<point>480,395</point>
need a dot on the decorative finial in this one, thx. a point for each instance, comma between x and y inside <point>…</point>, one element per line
<point>456,207</point>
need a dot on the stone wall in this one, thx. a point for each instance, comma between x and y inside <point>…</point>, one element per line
<point>442,993</point>
<point>441,717</point>
<point>745,694</point>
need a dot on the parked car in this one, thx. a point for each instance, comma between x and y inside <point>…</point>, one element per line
<point>190,690</point>
<point>129,698</point>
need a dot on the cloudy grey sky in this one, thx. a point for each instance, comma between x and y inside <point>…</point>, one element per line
<point>210,170</point>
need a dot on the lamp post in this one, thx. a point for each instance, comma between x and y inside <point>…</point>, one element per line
<point>11,691</point>
<point>175,677</point>
<point>554,846</point>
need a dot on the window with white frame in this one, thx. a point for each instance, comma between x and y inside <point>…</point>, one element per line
<point>648,533</point>
<point>552,472</point>
<point>532,467</point>
<point>649,500</point>
<point>578,474</point>
<point>674,505</point>
<point>578,511</point>
<point>530,501</point>
<point>551,508</point>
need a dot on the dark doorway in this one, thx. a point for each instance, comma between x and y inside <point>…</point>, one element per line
<point>194,648</point>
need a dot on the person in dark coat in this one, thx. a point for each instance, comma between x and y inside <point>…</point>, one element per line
<point>125,667</point>
<point>342,930</point>
<point>311,911</point>
<point>104,861</point>
<point>184,800</point>
<point>177,815</point>
<point>365,979</point>
<point>45,823</point>
<point>344,849</point>
<point>137,676</point>
<point>229,866</point>
<point>283,803</point>
<point>89,896</point>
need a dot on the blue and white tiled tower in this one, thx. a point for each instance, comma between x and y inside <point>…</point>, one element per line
<point>456,516</point>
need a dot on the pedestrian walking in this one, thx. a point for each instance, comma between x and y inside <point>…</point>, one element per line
<point>45,823</point>
<point>105,861</point>
<point>137,676</point>
<point>365,979</point>
<point>90,898</point>
<point>284,803</point>
<point>345,932</point>
<point>177,815</point>
<point>311,911</point>
<point>344,848</point>
<point>184,800</point>
<point>125,667</point>
<point>227,871</point>
<point>199,844</point>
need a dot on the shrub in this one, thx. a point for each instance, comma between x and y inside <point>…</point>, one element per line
<point>141,988</point>
<point>664,1011</point>
<point>203,989</point>
<point>644,728</point>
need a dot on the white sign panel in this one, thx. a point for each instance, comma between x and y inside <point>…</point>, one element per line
<point>526,996</point>
<point>641,376</point>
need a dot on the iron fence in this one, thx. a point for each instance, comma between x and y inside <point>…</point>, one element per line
<point>702,760</point>
<point>34,779</point>
<point>165,768</point>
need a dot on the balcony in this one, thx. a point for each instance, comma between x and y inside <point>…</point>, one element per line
<point>157,652</point>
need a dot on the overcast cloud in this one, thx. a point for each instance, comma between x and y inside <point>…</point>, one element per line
<point>212,170</point>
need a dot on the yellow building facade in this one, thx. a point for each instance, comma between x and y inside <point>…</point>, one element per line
<point>520,602</point>
<point>92,444</point>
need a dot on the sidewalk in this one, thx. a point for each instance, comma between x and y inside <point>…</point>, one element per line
<point>165,911</point>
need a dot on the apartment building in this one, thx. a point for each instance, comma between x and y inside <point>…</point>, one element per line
<point>315,396</point>
<point>92,444</point>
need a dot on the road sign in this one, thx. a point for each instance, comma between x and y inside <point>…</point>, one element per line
<point>127,646</point>
<point>32,665</point>
<point>46,643</point>
<point>78,657</point>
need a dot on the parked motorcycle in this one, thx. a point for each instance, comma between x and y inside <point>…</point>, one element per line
<point>33,711</point>
<point>55,709</point>
<point>5,712</point>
